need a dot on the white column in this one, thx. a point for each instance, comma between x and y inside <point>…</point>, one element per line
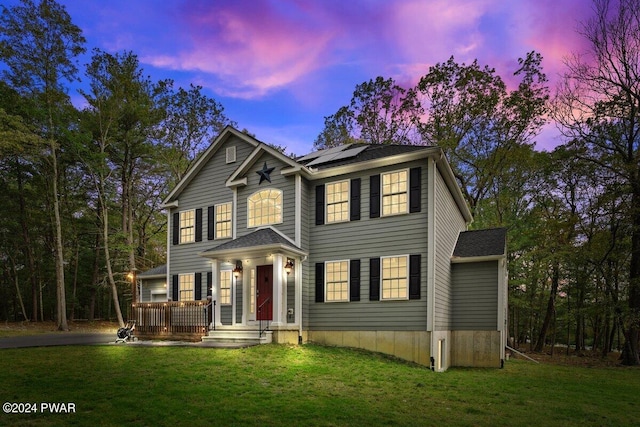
<point>278,290</point>
<point>215,291</point>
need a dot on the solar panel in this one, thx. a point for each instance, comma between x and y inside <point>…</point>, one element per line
<point>322,153</point>
<point>346,154</point>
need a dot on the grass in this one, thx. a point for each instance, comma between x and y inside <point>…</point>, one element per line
<point>303,385</point>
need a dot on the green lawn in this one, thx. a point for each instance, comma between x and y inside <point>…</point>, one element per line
<point>301,386</point>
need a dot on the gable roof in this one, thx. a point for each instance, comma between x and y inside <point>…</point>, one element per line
<point>263,239</point>
<point>160,270</point>
<point>481,243</point>
<point>226,133</point>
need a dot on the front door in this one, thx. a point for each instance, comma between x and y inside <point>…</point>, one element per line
<point>264,292</point>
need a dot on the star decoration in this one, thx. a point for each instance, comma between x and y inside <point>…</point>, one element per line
<point>265,173</point>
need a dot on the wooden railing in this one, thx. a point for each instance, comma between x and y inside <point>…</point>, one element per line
<point>161,319</point>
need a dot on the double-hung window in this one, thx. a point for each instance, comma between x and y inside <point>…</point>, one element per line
<point>187,226</point>
<point>395,277</point>
<point>186,287</point>
<point>337,201</point>
<point>395,193</point>
<point>337,281</point>
<point>225,286</point>
<point>223,220</point>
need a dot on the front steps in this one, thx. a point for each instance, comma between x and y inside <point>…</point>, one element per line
<point>238,335</point>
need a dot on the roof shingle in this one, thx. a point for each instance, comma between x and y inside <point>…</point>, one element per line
<point>480,243</point>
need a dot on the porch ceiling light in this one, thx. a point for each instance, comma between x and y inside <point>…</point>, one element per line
<point>288,266</point>
<point>238,269</point>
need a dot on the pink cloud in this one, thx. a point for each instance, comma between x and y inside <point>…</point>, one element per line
<point>250,50</point>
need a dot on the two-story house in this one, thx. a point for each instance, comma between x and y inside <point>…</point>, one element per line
<point>360,245</point>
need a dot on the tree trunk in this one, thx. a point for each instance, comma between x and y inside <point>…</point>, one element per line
<point>630,351</point>
<point>551,307</point>
<point>28,247</point>
<point>63,325</point>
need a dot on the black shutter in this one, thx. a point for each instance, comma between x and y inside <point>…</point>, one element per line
<point>414,276</point>
<point>198,225</point>
<point>176,228</point>
<point>355,199</point>
<point>198,284</point>
<point>175,287</point>
<point>374,279</point>
<point>414,189</point>
<point>354,280</point>
<point>319,282</point>
<point>319,204</point>
<point>210,223</point>
<point>374,199</point>
<point>209,283</point>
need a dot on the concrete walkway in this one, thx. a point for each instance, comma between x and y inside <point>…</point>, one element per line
<point>76,338</point>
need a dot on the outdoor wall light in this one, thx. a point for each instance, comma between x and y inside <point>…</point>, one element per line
<point>288,266</point>
<point>238,269</point>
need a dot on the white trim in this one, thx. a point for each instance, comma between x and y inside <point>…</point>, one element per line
<point>279,316</point>
<point>406,256</point>
<point>193,286</point>
<point>298,211</point>
<point>406,208</point>
<point>326,201</point>
<point>215,221</point>
<point>431,245</point>
<point>215,292</point>
<point>281,207</point>
<point>326,300</point>
<point>230,154</point>
<point>223,270</point>
<point>169,245</point>
<point>180,242</point>
<point>234,180</point>
<point>234,219</point>
<point>463,260</point>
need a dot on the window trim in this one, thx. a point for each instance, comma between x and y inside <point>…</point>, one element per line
<point>215,221</point>
<point>192,291</point>
<point>326,201</point>
<point>406,277</point>
<point>180,227</point>
<point>406,192</point>
<point>230,287</point>
<point>281,207</point>
<point>326,287</point>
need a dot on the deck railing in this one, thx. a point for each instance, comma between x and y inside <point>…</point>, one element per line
<point>173,317</point>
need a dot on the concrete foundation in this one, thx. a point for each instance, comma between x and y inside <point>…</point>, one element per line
<point>408,345</point>
<point>480,349</point>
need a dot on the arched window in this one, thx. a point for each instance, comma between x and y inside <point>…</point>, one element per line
<point>264,208</point>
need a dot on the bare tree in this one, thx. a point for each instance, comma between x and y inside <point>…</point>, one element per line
<point>598,106</point>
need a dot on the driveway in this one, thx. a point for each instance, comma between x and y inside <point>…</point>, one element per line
<point>54,339</point>
<point>95,338</point>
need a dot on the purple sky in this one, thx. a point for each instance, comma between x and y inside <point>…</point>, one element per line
<point>280,67</point>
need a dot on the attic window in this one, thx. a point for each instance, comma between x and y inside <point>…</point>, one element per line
<point>231,154</point>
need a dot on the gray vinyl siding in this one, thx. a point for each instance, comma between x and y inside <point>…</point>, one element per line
<point>291,295</point>
<point>226,314</point>
<point>239,299</point>
<point>475,296</point>
<point>367,238</point>
<point>149,285</point>
<point>448,225</point>
<point>278,181</point>
<point>206,189</point>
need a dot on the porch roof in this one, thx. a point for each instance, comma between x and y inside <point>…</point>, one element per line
<point>262,240</point>
<point>481,243</point>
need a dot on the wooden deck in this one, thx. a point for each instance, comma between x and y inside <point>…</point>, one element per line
<point>186,320</point>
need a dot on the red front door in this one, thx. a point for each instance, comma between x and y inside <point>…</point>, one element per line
<point>264,292</point>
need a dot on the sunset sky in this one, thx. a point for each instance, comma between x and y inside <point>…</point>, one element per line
<point>280,67</point>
